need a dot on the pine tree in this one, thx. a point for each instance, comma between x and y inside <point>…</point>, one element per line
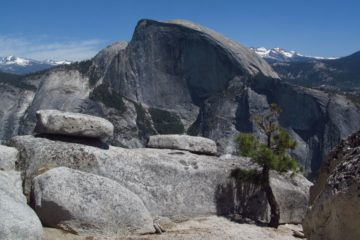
<point>270,155</point>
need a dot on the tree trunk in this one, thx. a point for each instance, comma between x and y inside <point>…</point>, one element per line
<point>268,142</point>
<point>274,207</point>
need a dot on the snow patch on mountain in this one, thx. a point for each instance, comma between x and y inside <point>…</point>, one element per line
<point>283,55</point>
<point>19,65</point>
<point>14,60</point>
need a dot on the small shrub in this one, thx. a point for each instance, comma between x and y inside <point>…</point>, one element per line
<point>270,155</point>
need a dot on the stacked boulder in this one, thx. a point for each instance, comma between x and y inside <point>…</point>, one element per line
<point>64,198</point>
<point>81,202</point>
<point>89,190</point>
<point>171,183</point>
<point>73,124</point>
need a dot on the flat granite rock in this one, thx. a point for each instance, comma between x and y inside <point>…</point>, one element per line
<point>73,124</point>
<point>199,145</point>
<point>85,203</point>
<point>171,183</point>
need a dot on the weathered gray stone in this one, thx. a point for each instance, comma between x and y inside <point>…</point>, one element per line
<point>73,124</point>
<point>292,195</point>
<point>8,157</point>
<point>183,142</point>
<point>171,183</point>
<point>335,205</point>
<point>85,203</point>
<point>17,219</point>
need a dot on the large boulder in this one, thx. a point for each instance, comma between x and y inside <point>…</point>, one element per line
<point>73,124</point>
<point>292,195</point>
<point>17,219</point>
<point>88,204</point>
<point>171,183</point>
<point>334,213</point>
<point>183,142</point>
<point>8,157</point>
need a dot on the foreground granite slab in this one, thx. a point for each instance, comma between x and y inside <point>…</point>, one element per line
<point>171,183</point>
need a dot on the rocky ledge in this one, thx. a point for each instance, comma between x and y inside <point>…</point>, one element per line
<point>183,142</point>
<point>334,213</point>
<point>86,189</point>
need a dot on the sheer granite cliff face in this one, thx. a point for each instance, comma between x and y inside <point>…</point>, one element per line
<point>178,77</point>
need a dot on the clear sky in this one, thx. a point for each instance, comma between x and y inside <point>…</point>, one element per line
<point>77,29</point>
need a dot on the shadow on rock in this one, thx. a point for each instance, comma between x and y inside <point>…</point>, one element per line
<point>93,142</point>
<point>242,200</point>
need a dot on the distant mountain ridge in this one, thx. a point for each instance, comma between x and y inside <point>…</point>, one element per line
<point>330,74</point>
<point>283,55</point>
<point>19,65</point>
<point>341,74</point>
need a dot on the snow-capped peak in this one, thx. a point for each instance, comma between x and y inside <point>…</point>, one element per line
<point>282,55</point>
<point>53,62</point>
<point>14,60</point>
<point>261,51</point>
<point>27,61</point>
<point>285,53</point>
<point>19,65</point>
<point>277,53</point>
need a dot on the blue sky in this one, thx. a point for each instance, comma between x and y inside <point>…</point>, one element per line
<point>77,29</point>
